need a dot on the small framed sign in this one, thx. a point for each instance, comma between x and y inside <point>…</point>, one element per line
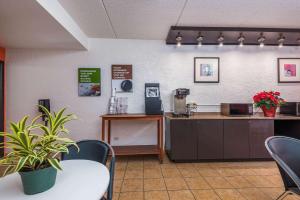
<point>89,82</point>
<point>121,76</point>
<point>206,70</point>
<point>288,70</point>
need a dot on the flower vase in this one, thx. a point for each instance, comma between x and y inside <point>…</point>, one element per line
<point>269,112</point>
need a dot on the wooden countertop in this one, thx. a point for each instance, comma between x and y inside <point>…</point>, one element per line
<point>216,115</point>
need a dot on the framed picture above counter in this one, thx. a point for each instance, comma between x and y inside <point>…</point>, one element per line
<point>206,69</point>
<point>288,70</point>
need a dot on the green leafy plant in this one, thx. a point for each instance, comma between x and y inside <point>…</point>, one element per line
<point>36,146</point>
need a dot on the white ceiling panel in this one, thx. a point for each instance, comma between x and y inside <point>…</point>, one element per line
<point>246,13</point>
<point>90,16</point>
<point>143,19</point>
<point>25,24</point>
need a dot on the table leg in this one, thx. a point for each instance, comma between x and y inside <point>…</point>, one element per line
<point>161,139</point>
<point>108,131</point>
<point>103,129</point>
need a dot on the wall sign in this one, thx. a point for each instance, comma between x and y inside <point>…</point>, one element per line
<point>89,81</point>
<point>288,70</point>
<point>122,78</point>
<point>206,70</point>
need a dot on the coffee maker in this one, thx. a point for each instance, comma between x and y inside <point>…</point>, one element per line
<point>179,102</point>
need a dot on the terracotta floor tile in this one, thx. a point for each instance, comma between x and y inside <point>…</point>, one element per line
<point>133,173</point>
<point>189,172</point>
<point>276,180</point>
<point>253,194</point>
<point>227,172</point>
<point>205,195</point>
<point>168,165</point>
<point>132,185</point>
<point>197,183</point>
<point>175,184</point>
<point>181,195</point>
<point>119,174</point>
<point>229,194</point>
<point>201,165</point>
<point>117,185</point>
<point>131,196</point>
<point>170,172</point>
<point>156,195</point>
<point>121,165</point>
<point>238,182</point>
<point>272,192</point>
<point>218,182</point>
<point>152,173</point>
<point>245,171</point>
<point>259,181</point>
<point>207,172</point>
<point>151,164</point>
<point>116,195</point>
<point>185,165</point>
<point>154,184</point>
<point>265,171</point>
<point>135,164</point>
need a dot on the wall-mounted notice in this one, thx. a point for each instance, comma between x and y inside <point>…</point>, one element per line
<point>89,81</point>
<point>121,78</point>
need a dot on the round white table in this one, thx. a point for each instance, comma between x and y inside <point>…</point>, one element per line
<point>80,179</point>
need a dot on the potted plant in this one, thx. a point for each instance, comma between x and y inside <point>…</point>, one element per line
<point>33,149</point>
<point>268,102</point>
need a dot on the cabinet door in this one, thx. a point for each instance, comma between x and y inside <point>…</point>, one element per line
<point>260,130</point>
<point>210,139</point>
<point>236,139</point>
<point>183,140</point>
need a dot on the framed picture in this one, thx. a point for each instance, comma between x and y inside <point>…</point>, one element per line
<point>288,70</point>
<point>121,78</point>
<point>206,70</point>
<point>89,82</point>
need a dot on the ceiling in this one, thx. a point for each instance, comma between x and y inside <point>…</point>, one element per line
<point>25,24</point>
<point>151,19</point>
<point>38,24</point>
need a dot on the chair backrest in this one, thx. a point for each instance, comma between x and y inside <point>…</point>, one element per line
<point>94,150</point>
<point>286,152</point>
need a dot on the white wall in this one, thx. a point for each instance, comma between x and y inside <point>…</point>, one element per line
<point>35,74</point>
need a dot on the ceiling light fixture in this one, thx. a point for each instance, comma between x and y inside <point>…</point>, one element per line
<point>221,39</point>
<point>241,39</point>
<point>178,39</point>
<point>261,40</point>
<point>281,40</point>
<point>200,39</point>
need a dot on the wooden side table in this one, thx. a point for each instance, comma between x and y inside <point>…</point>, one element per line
<point>135,149</point>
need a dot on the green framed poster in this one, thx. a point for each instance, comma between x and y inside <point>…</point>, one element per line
<point>89,82</point>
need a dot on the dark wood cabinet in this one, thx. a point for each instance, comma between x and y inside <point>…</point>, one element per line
<point>236,139</point>
<point>260,130</point>
<point>209,132</point>
<point>183,140</point>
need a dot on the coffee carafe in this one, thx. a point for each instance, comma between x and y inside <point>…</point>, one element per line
<point>179,101</point>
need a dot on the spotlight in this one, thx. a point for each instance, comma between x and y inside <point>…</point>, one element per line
<point>261,40</point>
<point>178,39</point>
<point>280,40</point>
<point>221,39</point>
<point>200,39</point>
<point>241,40</point>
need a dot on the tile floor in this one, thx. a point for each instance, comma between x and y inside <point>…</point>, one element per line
<point>143,178</point>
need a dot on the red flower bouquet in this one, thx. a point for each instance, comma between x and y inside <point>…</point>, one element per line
<point>268,102</point>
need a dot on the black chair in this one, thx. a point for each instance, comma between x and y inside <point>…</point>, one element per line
<point>286,152</point>
<point>94,150</point>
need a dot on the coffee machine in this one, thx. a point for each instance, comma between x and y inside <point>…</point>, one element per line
<point>179,102</point>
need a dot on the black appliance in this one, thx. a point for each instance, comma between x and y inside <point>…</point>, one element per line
<point>1,105</point>
<point>153,103</point>
<point>290,108</point>
<point>236,109</point>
